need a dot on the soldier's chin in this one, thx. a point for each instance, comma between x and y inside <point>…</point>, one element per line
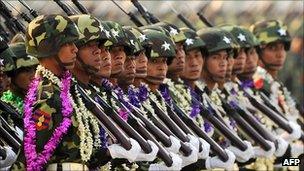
<point>275,67</point>
<point>154,80</point>
<point>115,73</point>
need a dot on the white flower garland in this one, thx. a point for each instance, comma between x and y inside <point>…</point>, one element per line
<point>82,114</point>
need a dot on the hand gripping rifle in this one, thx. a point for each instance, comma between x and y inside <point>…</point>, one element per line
<point>12,23</point>
<point>96,109</point>
<point>148,125</point>
<point>32,11</point>
<point>149,17</point>
<point>126,127</point>
<point>9,136</point>
<point>199,132</point>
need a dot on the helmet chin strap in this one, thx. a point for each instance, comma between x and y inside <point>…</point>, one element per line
<point>87,68</point>
<point>62,64</point>
<point>211,76</point>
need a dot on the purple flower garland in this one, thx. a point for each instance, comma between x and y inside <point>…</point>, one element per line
<point>34,160</point>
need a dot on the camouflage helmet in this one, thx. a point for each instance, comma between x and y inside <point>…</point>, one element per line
<point>271,31</point>
<point>161,45</point>
<point>135,44</point>
<point>240,34</point>
<point>90,28</point>
<point>141,37</point>
<point>21,58</point>
<point>192,40</point>
<point>175,33</point>
<point>119,36</point>
<point>47,33</point>
<point>6,60</point>
<point>217,39</point>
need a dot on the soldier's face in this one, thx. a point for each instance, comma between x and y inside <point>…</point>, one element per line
<point>239,62</point>
<point>67,54</point>
<point>193,65</point>
<point>118,57</point>
<point>216,63</point>
<point>105,65</point>
<point>90,54</point>
<point>274,54</point>
<point>251,63</point>
<point>157,70</point>
<point>128,74</point>
<point>178,63</point>
<point>4,82</point>
<point>230,62</point>
<point>23,78</point>
<point>141,65</point>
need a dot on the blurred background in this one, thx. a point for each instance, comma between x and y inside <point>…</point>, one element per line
<point>242,13</point>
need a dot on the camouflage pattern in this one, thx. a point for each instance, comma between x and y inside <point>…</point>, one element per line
<point>120,36</point>
<point>217,39</point>
<point>47,33</point>
<point>192,40</point>
<point>175,33</point>
<point>161,45</point>
<point>90,28</point>
<point>135,44</point>
<point>240,34</point>
<point>22,59</point>
<point>6,60</point>
<point>271,31</point>
<point>141,37</point>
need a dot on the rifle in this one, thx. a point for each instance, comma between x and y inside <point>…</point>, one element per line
<point>91,105</point>
<point>22,14</point>
<point>133,18</point>
<point>64,7</point>
<point>12,23</point>
<point>183,19</point>
<point>152,128</point>
<point>4,34</point>
<point>198,131</point>
<point>127,128</point>
<point>149,17</point>
<point>209,113</point>
<point>5,131</point>
<point>32,11</point>
<point>81,8</point>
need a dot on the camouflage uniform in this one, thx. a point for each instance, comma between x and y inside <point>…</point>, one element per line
<point>44,37</point>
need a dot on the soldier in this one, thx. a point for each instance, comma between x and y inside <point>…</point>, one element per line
<point>48,112</point>
<point>7,153</point>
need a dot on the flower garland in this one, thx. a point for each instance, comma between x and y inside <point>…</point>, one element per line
<point>83,117</point>
<point>37,161</point>
<point>10,98</point>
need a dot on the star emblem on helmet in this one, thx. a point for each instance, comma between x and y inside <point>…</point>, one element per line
<point>114,33</point>
<point>142,37</point>
<point>226,40</point>
<point>101,28</point>
<point>166,46</point>
<point>282,32</point>
<point>241,37</point>
<point>1,62</point>
<point>108,34</point>
<point>31,57</point>
<point>189,42</point>
<point>173,31</point>
<point>132,42</point>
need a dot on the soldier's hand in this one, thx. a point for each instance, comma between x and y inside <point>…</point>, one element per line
<point>294,135</point>
<point>259,152</point>
<point>117,151</point>
<point>176,165</point>
<point>175,146</point>
<point>205,149</point>
<point>216,162</point>
<point>243,156</point>
<point>142,156</point>
<point>192,158</point>
<point>282,147</point>
<point>9,159</point>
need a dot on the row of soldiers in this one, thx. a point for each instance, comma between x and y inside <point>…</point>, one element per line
<point>79,93</point>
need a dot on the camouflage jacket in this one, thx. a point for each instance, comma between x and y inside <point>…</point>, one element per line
<point>47,116</point>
